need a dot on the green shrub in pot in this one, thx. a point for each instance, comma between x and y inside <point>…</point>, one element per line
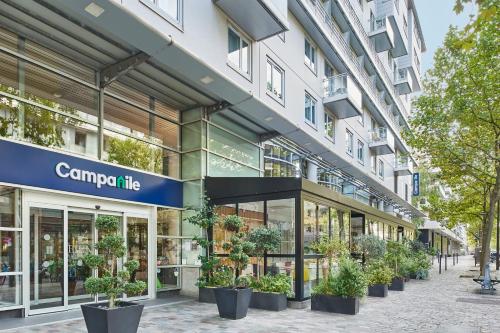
<point>379,273</point>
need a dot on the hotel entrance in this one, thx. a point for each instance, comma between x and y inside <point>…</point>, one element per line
<point>60,236</point>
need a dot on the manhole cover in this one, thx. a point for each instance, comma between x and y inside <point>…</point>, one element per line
<point>478,301</point>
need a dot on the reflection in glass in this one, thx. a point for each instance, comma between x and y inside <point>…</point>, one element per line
<point>168,251</point>
<point>10,290</point>
<point>282,266</point>
<point>219,234</point>
<point>309,225</point>
<point>252,213</point>
<point>9,207</point>
<point>46,258</point>
<point>311,275</point>
<point>190,252</point>
<point>10,251</point>
<point>323,221</point>
<point>168,222</point>
<point>80,243</point>
<point>168,278</point>
<point>281,215</point>
<point>137,243</point>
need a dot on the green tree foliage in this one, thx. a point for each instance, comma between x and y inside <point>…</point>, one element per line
<point>111,247</point>
<point>487,10</point>
<point>396,253</point>
<point>332,250</point>
<point>135,154</point>
<point>378,272</point>
<point>348,281</point>
<point>371,246</point>
<point>265,240</point>
<point>456,125</point>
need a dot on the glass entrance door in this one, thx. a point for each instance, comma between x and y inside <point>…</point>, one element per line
<point>137,247</point>
<point>47,258</point>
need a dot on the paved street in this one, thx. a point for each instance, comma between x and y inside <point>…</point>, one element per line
<point>446,303</point>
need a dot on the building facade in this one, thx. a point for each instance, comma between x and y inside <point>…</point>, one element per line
<point>124,107</point>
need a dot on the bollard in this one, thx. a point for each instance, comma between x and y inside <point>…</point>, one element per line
<point>457,258</point>
<point>446,262</point>
<point>453,259</point>
<point>439,259</point>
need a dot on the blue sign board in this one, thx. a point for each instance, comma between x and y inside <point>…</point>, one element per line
<point>27,165</point>
<point>416,184</point>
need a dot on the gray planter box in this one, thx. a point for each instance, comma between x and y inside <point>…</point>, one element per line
<point>123,319</point>
<point>378,290</point>
<point>268,301</point>
<point>337,304</point>
<point>233,303</point>
<point>398,284</point>
<point>206,295</point>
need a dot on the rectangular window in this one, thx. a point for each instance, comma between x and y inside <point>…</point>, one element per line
<point>310,110</point>
<point>329,127</point>
<point>329,70</point>
<point>381,169</point>
<point>349,142</point>
<point>406,192</point>
<point>275,80</point>
<point>169,9</point>
<point>310,55</point>
<point>373,163</point>
<point>238,51</point>
<point>417,61</point>
<point>361,152</point>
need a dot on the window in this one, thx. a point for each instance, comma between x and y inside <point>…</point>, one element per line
<point>275,81</point>
<point>389,59</point>
<point>238,51</point>
<point>349,142</point>
<point>329,127</point>
<point>373,163</point>
<point>381,169</point>
<point>417,61</point>
<point>361,4</point>
<point>361,152</point>
<point>310,55</point>
<point>361,117</point>
<point>329,70</point>
<point>172,8</point>
<point>80,139</point>
<point>310,109</point>
<point>406,192</point>
<point>405,25</point>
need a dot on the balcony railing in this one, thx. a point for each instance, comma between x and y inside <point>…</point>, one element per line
<point>343,96</point>
<point>378,134</point>
<point>337,39</point>
<point>335,85</point>
<point>381,141</point>
<point>377,24</point>
<point>353,17</point>
<point>403,166</point>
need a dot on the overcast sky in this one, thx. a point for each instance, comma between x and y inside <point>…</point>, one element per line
<point>435,17</point>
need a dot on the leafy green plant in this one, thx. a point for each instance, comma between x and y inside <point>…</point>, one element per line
<point>277,283</point>
<point>265,240</point>
<point>418,264</point>
<point>378,272</point>
<point>396,253</point>
<point>349,281</point>
<point>237,247</point>
<point>332,249</point>
<point>222,276</point>
<point>205,218</point>
<point>371,246</point>
<point>112,282</point>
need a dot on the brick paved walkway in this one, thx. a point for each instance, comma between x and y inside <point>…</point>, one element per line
<point>446,304</point>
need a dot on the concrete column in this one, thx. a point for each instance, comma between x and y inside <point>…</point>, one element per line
<point>312,172</point>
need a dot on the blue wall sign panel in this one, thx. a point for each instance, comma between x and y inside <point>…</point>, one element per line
<point>26,165</point>
<point>416,184</point>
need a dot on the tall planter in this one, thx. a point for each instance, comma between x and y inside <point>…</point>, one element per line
<point>206,295</point>
<point>268,301</point>
<point>233,303</point>
<point>398,284</point>
<point>336,304</point>
<point>378,290</point>
<point>124,318</point>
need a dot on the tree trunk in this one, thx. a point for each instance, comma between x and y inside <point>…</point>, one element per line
<point>489,222</point>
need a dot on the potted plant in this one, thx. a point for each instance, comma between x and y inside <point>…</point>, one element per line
<point>395,256</point>
<point>379,276</point>
<point>205,218</point>
<point>370,246</point>
<point>234,298</point>
<point>56,273</point>
<point>111,316</point>
<point>267,293</point>
<point>341,292</point>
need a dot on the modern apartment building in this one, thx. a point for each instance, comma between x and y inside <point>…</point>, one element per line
<point>124,107</point>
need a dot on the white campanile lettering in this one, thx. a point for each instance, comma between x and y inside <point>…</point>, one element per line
<point>60,172</point>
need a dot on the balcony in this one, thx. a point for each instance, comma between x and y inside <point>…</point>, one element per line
<point>388,9</point>
<point>381,34</point>
<point>259,19</point>
<point>403,81</point>
<point>342,96</point>
<point>381,141</point>
<point>403,166</point>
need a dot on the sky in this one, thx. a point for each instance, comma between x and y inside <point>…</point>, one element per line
<point>435,17</point>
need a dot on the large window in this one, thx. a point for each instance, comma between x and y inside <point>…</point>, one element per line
<point>310,55</point>
<point>349,142</point>
<point>361,152</point>
<point>281,216</point>
<point>275,80</point>
<point>281,162</point>
<point>329,127</point>
<point>170,9</point>
<point>381,169</point>
<point>310,110</point>
<point>238,51</point>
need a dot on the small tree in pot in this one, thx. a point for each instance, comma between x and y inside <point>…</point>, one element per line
<point>233,299</point>
<point>206,218</point>
<point>379,276</point>
<point>269,293</point>
<point>395,257</point>
<point>372,247</point>
<point>112,316</point>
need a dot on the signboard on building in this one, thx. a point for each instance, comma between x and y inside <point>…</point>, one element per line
<point>416,184</point>
<point>22,164</point>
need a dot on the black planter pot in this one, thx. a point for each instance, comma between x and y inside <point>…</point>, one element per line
<point>206,295</point>
<point>398,284</point>
<point>413,276</point>
<point>268,301</point>
<point>378,290</point>
<point>233,302</point>
<point>337,304</point>
<point>124,318</point>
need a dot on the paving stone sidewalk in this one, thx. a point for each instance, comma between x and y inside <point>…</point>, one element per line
<point>446,303</point>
